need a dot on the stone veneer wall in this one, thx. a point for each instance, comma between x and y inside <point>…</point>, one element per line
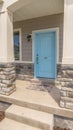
<point>7,78</point>
<point>66,81</point>
<point>63,122</point>
<point>24,70</point>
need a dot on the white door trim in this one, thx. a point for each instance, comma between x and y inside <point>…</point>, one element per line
<point>20,43</point>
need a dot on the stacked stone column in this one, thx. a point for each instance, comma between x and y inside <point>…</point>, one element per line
<point>66,81</point>
<point>7,78</point>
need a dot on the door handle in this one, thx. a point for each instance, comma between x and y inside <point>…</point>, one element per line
<point>37,58</point>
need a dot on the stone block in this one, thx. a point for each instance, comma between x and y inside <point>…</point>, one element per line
<point>3,76</point>
<point>57,83</point>
<point>4,89</point>
<point>67,74</point>
<point>66,104</point>
<point>62,103</point>
<point>67,84</point>
<point>66,67</point>
<point>8,82</point>
<point>10,77</point>
<point>69,105</point>
<point>65,79</point>
<point>13,79</point>
<point>7,93</point>
<point>1,69</point>
<point>0,80</point>
<point>9,69</point>
<point>67,89</point>
<point>7,78</point>
<point>67,99</point>
<point>1,72</point>
<point>3,85</point>
<point>70,94</point>
<point>13,90</point>
<point>67,71</point>
<point>0,88</point>
<point>9,72</point>
<point>63,93</point>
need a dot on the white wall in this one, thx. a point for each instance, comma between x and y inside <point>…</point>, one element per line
<point>68,32</point>
<point>6,37</point>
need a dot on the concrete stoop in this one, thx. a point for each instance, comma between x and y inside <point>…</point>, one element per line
<point>8,124</point>
<point>33,118</point>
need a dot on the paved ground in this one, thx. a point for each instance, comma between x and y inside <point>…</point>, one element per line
<point>48,100</point>
<point>48,96</point>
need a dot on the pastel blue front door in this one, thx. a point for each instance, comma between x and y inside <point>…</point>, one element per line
<point>45,55</point>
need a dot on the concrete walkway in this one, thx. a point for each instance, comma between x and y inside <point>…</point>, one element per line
<point>39,100</point>
<point>8,124</point>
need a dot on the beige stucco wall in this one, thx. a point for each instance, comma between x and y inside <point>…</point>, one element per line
<point>46,22</point>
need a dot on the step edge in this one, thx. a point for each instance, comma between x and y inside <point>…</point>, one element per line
<point>46,115</point>
<point>19,123</point>
<point>29,121</point>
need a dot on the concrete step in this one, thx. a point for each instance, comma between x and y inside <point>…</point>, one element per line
<point>42,101</point>
<point>8,124</point>
<point>30,117</point>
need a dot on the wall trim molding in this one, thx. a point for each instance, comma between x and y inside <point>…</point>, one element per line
<point>67,60</point>
<point>28,62</point>
<point>20,43</point>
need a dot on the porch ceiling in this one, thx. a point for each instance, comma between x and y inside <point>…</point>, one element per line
<point>39,8</point>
